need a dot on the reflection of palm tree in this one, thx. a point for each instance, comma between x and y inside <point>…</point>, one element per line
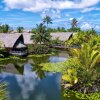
<point>39,71</point>
<point>36,65</point>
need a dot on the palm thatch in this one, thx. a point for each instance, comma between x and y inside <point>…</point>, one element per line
<point>62,36</point>
<point>8,40</point>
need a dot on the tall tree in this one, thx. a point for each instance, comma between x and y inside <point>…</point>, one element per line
<point>4,28</point>
<point>74,23</point>
<point>40,34</point>
<point>47,19</point>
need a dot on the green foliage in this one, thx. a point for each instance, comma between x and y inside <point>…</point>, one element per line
<point>1,50</point>
<point>74,95</point>
<point>41,49</point>
<point>70,76</point>
<point>41,35</point>
<point>87,74</point>
<point>61,67</point>
<point>53,67</point>
<point>3,91</point>
<point>82,37</point>
<point>76,29</point>
<point>57,42</point>
<point>58,29</point>
<point>4,28</point>
<point>20,29</point>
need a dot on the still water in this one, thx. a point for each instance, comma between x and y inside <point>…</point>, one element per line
<point>28,82</point>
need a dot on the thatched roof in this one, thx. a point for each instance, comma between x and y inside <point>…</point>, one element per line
<point>63,36</point>
<point>27,38</point>
<point>9,40</point>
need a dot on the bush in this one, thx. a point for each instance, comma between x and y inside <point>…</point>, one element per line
<point>39,49</point>
<point>74,95</point>
<point>3,91</point>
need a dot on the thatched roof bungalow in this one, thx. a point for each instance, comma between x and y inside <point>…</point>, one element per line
<point>14,43</point>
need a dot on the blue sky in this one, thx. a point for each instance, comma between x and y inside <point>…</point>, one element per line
<point>28,13</point>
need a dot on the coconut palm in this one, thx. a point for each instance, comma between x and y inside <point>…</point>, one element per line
<point>47,19</point>
<point>74,23</point>
<point>41,34</point>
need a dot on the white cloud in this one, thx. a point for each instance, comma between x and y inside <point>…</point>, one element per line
<point>89,9</point>
<point>53,13</point>
<point>40,5</point>
<point>97,27</point>
<point>86,26</point>
<point>70,19</point>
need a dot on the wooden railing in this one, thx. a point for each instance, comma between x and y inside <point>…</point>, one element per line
<point>20,53</point>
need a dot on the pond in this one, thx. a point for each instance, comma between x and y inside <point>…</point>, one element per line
<point>26,81</point>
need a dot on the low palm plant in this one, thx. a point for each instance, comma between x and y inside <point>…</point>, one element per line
<point>87,73</point>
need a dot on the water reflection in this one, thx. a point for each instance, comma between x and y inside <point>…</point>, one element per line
<point>27,80</point>
<point>29,86</point>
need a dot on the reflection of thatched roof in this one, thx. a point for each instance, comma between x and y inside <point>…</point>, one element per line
<point>9,40</point>
<point>11,68</point>
<point>63,36</point>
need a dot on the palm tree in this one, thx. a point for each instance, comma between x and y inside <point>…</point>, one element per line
<point>74,23</point>
<point>20,29</point>
<point>40,34</point>
<point>47,20</point>
<point>4,28</point>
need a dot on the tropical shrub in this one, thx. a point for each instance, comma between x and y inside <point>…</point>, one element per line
<point>41,49</point>
<point>56,42</point>
<point>3,91</point>
<point>74,95</point>
<point>87,72</point>
<point>82,37</point>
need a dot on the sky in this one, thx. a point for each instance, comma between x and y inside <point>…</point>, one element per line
<point>28,13</point>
